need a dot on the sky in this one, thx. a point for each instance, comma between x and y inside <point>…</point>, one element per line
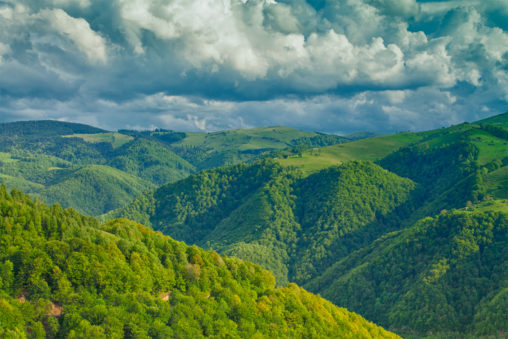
<point>336,66</point>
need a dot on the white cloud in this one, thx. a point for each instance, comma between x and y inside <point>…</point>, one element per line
<point>210,64</point>
<point>433,65</point>
<point>232,35</point>
<point>79,32</point>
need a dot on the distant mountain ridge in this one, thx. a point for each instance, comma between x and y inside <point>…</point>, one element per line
<point>44,128</point>
<point>34,155</point>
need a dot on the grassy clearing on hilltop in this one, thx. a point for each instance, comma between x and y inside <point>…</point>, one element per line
<point>115,139</point>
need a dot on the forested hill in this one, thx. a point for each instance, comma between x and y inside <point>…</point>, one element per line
<point>292,225</point>
<point>488,136</point>
<point>43,128</point>
<point>316,223</point>
<point>64,275</point>
<point>54,160</point>
<point>444,274</point>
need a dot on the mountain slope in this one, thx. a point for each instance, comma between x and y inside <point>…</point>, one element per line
<point>301,221</point>
<point>269,214</point>
<point>35,153</point>
<point>151,161</point>
<point>490,136</point>
<point>496,119</point>
<point>96,188</point>
<point>446,273</point>
<point>65,275</point>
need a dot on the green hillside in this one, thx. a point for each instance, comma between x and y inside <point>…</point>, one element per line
<point>115,139</point>
<point>365,149</point>
<point>97,188</point>
<point>301,220</point>
<point>272,216</point>
<point>444,274</point>
<point>36,154</point>
<point>209,150</point>
<point>501,119</point>
<point>64,275</point>
<point>151,161</point>
<point>490,136</point>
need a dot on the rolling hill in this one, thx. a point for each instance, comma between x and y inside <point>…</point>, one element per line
<point>487,135</point>
<point>443,274</point>
<point>209,150</point>
<point>291,225</point>
<point>335,207</point>
<point>97,188</point>
<point>64,275</point>
<point>37,155</point>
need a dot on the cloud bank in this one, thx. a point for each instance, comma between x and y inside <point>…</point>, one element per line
<point>333,66</point>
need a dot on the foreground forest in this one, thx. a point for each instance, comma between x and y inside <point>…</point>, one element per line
<point>65,275</point>
<point>408,230</point>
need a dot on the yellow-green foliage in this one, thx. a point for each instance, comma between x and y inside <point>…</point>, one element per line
<point>366,149</point>
<point>65,275</point>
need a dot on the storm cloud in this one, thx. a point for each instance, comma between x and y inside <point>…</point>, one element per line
<point>333,66</point>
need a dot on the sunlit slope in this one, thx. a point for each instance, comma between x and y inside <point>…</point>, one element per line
<point>371,149</point>
<point>254,138</point>
<point>115,139</point>
<point>64,275</point>
<point>490,136</point>
<point>206,150</point>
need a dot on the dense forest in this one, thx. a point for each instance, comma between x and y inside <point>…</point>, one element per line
<point>96,171</point>
<point>273,216</point>
<point>65,275</point>
<point>409,230</point>
<point>330,227</point>
<point>444,274</point>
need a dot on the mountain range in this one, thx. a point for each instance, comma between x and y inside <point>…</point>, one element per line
<point>408,230</point>
<point>95,171</point>
<point>376,225</point>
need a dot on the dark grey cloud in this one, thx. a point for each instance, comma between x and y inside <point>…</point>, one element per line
<point>336,66</point>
